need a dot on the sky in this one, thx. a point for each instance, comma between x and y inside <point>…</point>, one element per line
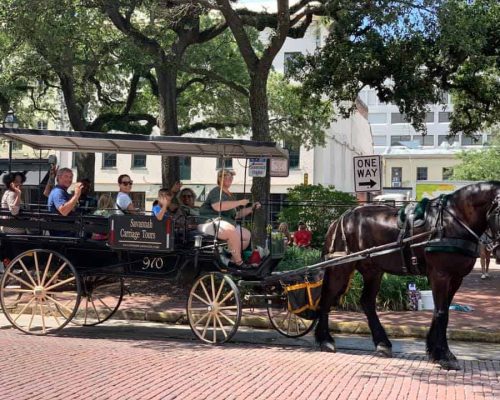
<point>259,4</point>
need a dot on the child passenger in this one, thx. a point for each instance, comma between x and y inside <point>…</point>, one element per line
<point>161,210</point>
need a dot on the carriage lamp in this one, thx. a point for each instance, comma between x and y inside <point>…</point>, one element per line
<point>10,120</point>
<point>197,241</point>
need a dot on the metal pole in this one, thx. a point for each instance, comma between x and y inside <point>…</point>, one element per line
<point>10,156</point>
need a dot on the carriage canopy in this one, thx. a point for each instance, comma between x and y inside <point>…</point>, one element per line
<point>143,144</point>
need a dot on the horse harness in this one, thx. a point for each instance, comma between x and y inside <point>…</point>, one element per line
<point>436,241</point>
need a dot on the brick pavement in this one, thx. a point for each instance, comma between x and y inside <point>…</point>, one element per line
<point>108,366</point>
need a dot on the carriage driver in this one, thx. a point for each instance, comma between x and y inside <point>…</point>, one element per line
<point>60,201</point>
<point>221,201</point>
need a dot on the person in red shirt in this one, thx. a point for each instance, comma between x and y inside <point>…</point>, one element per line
<point>303,236</point>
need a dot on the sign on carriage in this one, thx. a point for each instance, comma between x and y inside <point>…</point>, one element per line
<point>367,174</point>
<point>257,167</point>
<point>140,232</point>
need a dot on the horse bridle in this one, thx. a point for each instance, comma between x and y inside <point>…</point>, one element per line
<point>493,220</point>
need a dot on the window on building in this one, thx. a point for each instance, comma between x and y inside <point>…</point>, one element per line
<point>185,168</point>
<point>288,60</point>
<point>421,173</point>
<point>73,160</point>
<point>471,141</point>
<point>427,140</point>
<point>398,118</point>
<point>377,118</point>
<point>487,140</point>
<point>445,138</point>
<point>42,124</point>
<point>396,176</point>
<point>444,116</point>
<point>109,160</point>
<point>447,173</point>
<point>138,161</point>
<point>16,145</point>
<point>293,154</point>
<point>396,140</point>
<point>380,140</point>
<point>228,163</point>
<point>429,117</point>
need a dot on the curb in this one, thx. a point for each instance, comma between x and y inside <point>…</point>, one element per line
<point>358,328</point>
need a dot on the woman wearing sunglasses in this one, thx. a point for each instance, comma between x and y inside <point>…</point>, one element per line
<point>123,201</point>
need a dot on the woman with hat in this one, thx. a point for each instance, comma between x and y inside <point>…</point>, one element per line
<point>221,207</point>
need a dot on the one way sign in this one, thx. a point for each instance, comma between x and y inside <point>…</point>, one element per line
<point>367,174</point>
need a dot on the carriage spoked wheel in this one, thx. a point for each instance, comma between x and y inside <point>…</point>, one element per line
<point>40,292</point>
<point>284,321</point>
<point>101,298</point>
<point>214,308</point>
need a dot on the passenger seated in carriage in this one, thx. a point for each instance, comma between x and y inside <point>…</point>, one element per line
<point>105,208</point>
<point>221,200</point>
<point>60,201</point>
<point>11,199</point>
<point>187,197</point>
<point>161,210</point>
<point>123,201</point>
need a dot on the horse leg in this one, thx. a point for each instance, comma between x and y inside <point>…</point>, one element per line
<point>371,286</point>
<point>443,289</point>
<point>335,283</point>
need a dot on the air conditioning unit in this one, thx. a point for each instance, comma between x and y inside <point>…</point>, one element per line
<point>396,184</point>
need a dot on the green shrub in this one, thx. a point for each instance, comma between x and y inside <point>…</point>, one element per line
<point>316,205</point>
<point>298,257</point>
<point>392,295</point>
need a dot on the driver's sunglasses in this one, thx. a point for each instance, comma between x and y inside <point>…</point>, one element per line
<point>127,183</point>
<point>187,195</point>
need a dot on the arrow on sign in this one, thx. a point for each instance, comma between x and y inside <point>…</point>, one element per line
<point>370,183</point>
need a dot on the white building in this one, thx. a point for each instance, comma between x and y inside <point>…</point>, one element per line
<point>407,155</point>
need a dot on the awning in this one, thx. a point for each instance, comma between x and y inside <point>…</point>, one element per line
<point>143,144</point>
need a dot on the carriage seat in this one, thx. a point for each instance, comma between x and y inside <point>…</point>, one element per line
<point>414,214</point>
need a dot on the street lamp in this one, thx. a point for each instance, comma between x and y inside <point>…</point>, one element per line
<point>10,122</point>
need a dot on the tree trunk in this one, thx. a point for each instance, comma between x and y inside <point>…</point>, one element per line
<point>85,162</point>
<point>260,131</point>
<point>167,119</point>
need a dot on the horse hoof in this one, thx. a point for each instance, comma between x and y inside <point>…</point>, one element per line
<point>383,351</point>
<point>328,347</point>
<point>449,365</point>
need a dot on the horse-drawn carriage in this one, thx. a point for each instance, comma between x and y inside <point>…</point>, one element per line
<point>52,280</point>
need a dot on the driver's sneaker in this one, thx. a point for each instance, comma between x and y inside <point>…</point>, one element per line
<point>483,276</point>
<point>242,266</point>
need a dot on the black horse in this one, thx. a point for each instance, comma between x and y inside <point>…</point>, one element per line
<point>446,254</point>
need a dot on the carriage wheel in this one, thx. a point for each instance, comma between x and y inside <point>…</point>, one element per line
<point>214,308</point>
<point>101,298</point>
<point>284,321</point>
<point>40,292</point>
